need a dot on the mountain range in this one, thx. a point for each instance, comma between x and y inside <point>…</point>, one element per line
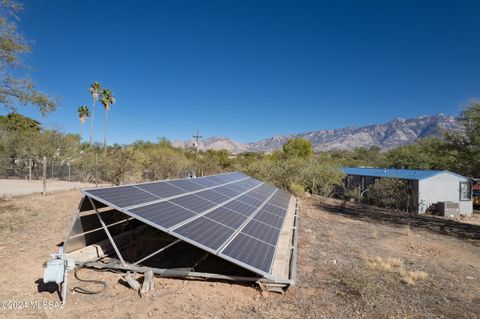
<point>392,134</point>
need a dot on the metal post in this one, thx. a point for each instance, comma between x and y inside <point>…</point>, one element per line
<point>29,169</point>
<point>52,169</point>
<point>68,164</point>
<point>44,175</point>
<point>110,238</point>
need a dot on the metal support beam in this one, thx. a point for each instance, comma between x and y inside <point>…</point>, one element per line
<point>157,252</point>
<point>173,273</point>
<point>107,232</point>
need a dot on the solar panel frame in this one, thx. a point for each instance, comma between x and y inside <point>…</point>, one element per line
<point>242,180</point>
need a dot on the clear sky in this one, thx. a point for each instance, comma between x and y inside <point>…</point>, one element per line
<point>252,69</point>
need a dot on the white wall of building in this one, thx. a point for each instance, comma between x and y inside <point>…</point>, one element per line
<point>441,188</point>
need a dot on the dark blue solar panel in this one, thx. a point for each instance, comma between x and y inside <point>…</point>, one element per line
<point>206,182</point>
<point>255,202</point>
<point>162,189</point>
<point>123,196</point>
<point>227,191</point>
<point>228,177</point>
<point>250,251</point>
<point>206,232</point>
<point>164,214</point>
<point>240,208</point>
<point>227,217</point>
<point>275,210</point>
<point>213,196</point>
<point>194,203</point>
<point>186,184</point>
<point>262,231</point>
<point>268,218</point>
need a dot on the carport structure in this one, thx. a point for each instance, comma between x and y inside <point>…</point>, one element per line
<point>227,226</point>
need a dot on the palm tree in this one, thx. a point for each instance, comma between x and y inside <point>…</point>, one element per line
<point>83,113</point>
<point>107,99</point>
<point>95,89</point>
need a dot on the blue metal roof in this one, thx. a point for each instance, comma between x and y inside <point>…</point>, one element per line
<point>415,174</point>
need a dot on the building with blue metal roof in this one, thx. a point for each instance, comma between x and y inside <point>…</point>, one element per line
<point>428,188</point>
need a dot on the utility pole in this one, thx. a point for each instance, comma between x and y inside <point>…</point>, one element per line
<point>197,138</point>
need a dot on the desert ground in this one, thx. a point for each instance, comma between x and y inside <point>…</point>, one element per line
<point>353,262</point>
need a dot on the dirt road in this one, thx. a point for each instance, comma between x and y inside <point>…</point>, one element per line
<point>352,263</point>
<point>12,187</point>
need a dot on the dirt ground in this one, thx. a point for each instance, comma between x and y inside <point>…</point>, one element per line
<point>353,262</point>
<point>11,187</point>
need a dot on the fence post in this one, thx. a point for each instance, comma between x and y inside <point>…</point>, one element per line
<point>29,169</point>
<point>44,175</point>
<point>68,164</point>
<point>96,164</point>
<point>52,170</point>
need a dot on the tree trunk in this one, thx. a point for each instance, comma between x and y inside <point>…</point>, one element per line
<point>91,122</point>
<point>81,132</point>
<point>106,127</point>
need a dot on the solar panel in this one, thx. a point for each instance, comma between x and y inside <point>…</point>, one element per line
<point>123,196</point>
<point>251,251</point>
<point>262,231</point>
<point>268,218</point>
<point>227,191</point>
<point>162,189</point>
<point>226,216</point>
<point>213,196</point>
<point>275,210</point>
<point>164,214</point>
<point>193,203</point>
<point>207,182</point>
<point>255,202</point>
<point>206,232</point>
<point>241,208</point>
<point>231,215</point>
<point>186,184</point>
<point>234,188</point>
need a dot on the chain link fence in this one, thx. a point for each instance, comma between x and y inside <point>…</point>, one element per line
<point>63,170</point>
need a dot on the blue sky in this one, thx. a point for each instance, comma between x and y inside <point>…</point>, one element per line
<point>252,69</point>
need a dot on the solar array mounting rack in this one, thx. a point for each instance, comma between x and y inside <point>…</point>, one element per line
<point>231,215</point>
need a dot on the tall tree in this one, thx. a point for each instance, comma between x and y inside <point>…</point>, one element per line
<point>466,144</point>
<point>15,90</point>
<point>107,100</point>
<point>95,89</point>
<point>83,113</point>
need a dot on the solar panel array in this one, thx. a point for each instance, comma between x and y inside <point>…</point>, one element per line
<point>230,215</point>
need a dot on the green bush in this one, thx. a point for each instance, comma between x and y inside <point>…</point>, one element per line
<point>391,193</point>
<point>297,190</point>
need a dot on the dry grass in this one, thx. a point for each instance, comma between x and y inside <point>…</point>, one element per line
<point>395,266</point>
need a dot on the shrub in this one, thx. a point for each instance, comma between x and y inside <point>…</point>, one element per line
<point>297,190</point>
<point>391,193</point>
